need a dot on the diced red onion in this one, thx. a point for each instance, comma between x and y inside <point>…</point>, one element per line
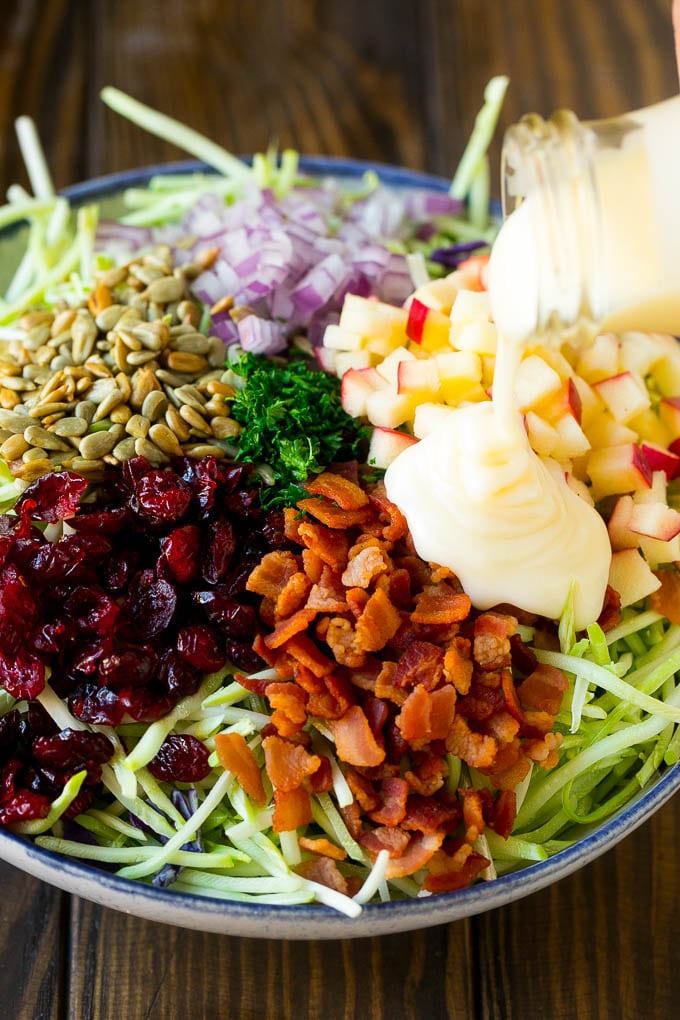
<point>261,336</point>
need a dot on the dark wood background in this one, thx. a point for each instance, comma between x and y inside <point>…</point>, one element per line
<point>398,81</point>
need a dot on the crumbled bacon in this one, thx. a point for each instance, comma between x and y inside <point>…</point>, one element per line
<point>235,756</point>
<point>666,599</point>
<point>385,654</point>
<point>324,871</point>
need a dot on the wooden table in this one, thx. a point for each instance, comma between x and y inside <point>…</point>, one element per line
<point>398,81</point>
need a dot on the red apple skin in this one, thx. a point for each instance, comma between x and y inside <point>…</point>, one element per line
<point>417,316</point>
<point>655,520</point>
<point>660,459</point>
<point>574,400</point>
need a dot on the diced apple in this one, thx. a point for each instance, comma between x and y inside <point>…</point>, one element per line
<point>339,339</point>
<point>604,431</point>
<point>601,360</point>
<point>389,409</point>
<point>614,470</point>
<point>355,388</point>
<point>669,412</point>
<point>460,373</point>
<point>571,439</point>
<point>655,520</point>
<point>666,369</point>
<point>471,306</point>
<point>428,416</point>
<point>345,360</point>
<point>388,369</point>
<point>438,294</point>
<point>565,400</point>
<point>591,404</point>
<point>660,458</point>
<point>639,351</point>
<point>326,358</point>
<point>386,445</point>
<point>631,577</point>
<point>657,491</point>
<point>418,376</point>
<point>618,526</point>
<point>535,380</point>
<point>479,336</point>
<point>427,327</point>
<point>625,395</point>
<point>656,551</point>
<point>580,488</point>
<point>649,426</point>
<point>373,319</point>
<point>556,360</point>
<point>543,438</point>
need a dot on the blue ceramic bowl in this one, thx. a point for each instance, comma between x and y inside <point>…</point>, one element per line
<point>312,922</point>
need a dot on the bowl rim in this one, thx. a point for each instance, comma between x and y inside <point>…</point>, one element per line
<point>311,921</point>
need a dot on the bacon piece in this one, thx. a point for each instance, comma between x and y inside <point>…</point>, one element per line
<point>377,713</point>
<point>258,687</point>
<point>287,629</point>
<point>287,764</point>
<point>356,601</point>
<point>503,726</point>
<point>324,871</point>
<point>385,687</point>
<point>327,594</point>
<point>351,815</point>
<point>342,641</point>
<point>422,663</point>
<point>378,622</point>
<point>610,614</point>
<point>364,567</point>
<point>537,724</point>
<point>473,815</point>
<point>303,650</point>
<point>272,574</point>
<point>419,851</point>
<point>354,740</point>
<point>323,847</point>
<point>362,790</point>
<point>342,491</point>
<point>425,814</point>
<point>289,702</point>
<point>504,813</point>
<point>443,707</point>
<point>293,595</point>
<point>666,599</point>
<point>321,781</point>
<point>292,519</point>
<point>333,516</point>
<point>331,547</point>
<point>313,565</point>
<point>476,749</point>
<point>292,810</point>
<point>235,756</point>
<point>441,604</point>
<point>448,873</point>
<point>481,701</point>
<point>457,666</point>
<point>393,793</point>
<point>394,840</point>
<point>395,526</point>
<point>429,776</point>
<point>491,645</point>
<point>415,718</point>
<point>510,766</point>
<point>543,689</point>
<point>543,752</point>
<point>510,694</point>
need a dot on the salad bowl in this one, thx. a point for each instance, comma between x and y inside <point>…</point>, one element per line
<point>303,921</point>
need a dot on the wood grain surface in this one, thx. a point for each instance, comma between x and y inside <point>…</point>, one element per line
<point>398,81</point>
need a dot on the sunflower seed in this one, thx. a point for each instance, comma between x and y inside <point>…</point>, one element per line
<point>154,405</point>
<point>143,448</point>
<point>35,435</point>
<point>83,334</point>
<point>72,426</point>
<point>188,364</point>
<point>96,444</point>
<point>225,428</point>
<point>85,409</point>
<point>165,439</point>
<point>14,447</point>
<point>125,449</point>
<point>166,289</point>
<point>194,419</point>
<point>138,426</point>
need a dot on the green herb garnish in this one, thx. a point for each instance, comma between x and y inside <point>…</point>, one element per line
<point>293,422</point>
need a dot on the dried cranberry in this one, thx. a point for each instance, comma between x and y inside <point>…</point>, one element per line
<point>40,722</point>
<point>93,704</point>
<point>54,497</point>
<point>177,676</point>
<point>92,609</point>
<point>243,656</point>
<point>18,608</point>
<point>8,778</point>
<point>180,759</point>
<point>273,530</point>
<point>129,667</point>
<point>81,803</point>
<point>22,675</point>
<point>151,604</point>
<point>145,705</point>
<point>25,806</point>
<point>161,497</point>
<point>180,552</point>
<point>219,551</point>
<point>72,749</point>
<point>237,619</point>
<point>201,648</point>
<point>9,732</point>
<point>119,569</point>
<point>86,657</point>
<point>103,522</point>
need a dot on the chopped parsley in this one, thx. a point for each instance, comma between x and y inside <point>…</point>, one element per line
<point>293,422</point>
